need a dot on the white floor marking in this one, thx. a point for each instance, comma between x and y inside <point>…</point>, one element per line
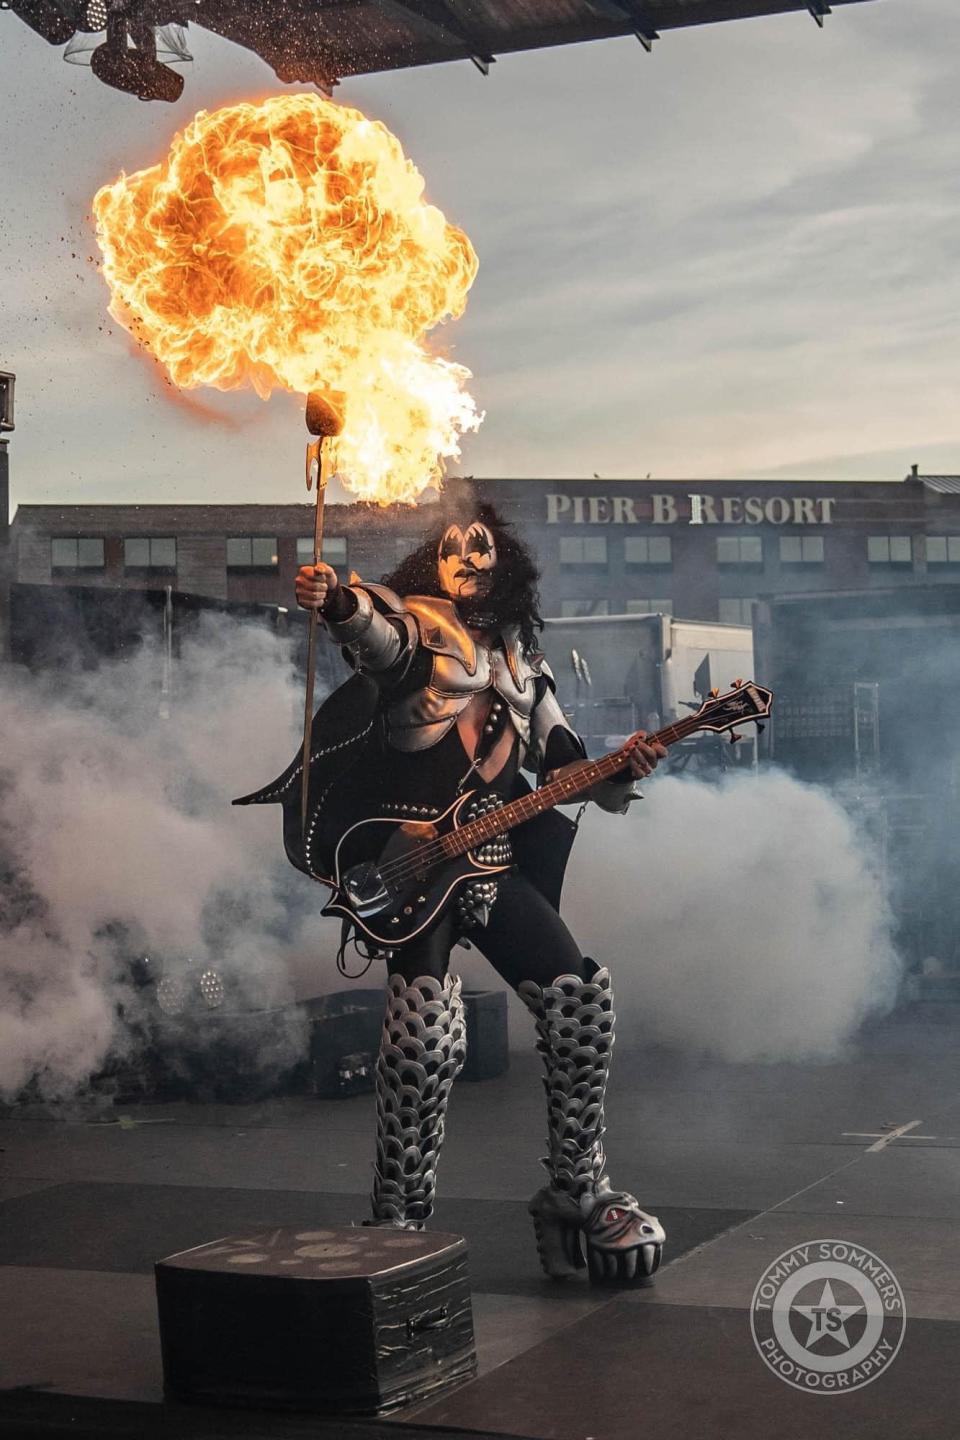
<point>886,1137</point>
<point>879,1134</point>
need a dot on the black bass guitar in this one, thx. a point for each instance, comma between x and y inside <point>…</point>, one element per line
<point>394,876</point>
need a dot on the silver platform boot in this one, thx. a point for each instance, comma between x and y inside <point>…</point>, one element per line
<point>422,1051</point>
<point>579,1220</point>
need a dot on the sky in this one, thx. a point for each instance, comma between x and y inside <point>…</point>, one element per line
<point>738,257</point>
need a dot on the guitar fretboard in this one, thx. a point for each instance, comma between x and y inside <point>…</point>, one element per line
<point>566,788</point>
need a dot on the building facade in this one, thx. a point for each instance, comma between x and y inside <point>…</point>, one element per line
<point>699,550</point>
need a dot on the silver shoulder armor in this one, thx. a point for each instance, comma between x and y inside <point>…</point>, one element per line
<point>375,642</point>
<point>442,631</point>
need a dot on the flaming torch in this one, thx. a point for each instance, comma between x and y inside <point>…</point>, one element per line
<point>287,244</point>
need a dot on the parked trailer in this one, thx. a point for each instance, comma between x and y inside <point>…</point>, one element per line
<point>620,673</point>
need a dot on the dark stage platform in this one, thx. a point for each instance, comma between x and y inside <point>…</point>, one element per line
<point>740,1162</point>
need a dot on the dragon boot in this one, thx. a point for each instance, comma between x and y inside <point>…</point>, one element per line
<point>579,1220</point>
<point>422,1050</point>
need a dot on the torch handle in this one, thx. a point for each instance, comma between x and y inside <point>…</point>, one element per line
<point>322,478</point>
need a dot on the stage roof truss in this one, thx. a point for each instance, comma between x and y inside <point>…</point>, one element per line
<point>320,42</point>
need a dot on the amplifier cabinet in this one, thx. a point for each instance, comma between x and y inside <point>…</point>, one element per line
<point>337,1321</point>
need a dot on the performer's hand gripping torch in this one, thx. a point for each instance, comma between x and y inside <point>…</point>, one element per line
<point>326,422</point>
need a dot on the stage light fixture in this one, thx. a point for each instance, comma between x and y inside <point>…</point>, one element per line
<point>172,994</point>
<point>136,73</point>
<point>212,989</point>
<point>135,57</point>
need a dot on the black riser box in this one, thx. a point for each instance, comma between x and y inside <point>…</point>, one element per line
<point>240,1326</point>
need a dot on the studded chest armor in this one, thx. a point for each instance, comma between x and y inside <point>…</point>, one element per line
<point>460,668</point>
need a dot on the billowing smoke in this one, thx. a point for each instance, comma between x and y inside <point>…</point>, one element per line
<point>742,919</point>
<point>117,841</point>
<point>745,919</point>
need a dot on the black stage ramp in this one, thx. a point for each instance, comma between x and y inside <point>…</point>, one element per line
<point>751,1160</point>
<point>111,1228</point>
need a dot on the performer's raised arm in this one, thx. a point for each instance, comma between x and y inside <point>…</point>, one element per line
<point>375,639</point>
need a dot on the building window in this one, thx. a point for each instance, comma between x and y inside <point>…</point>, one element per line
<point>943,549</point>
<point>583,550</point>
<point>252,552</point>
<point>647,550</point>
<point>573,609</point>
<point>141,553</point>
<point>82,552</point>
<point>889,550</point>
<point>334,550</point>
<point>739,550</point>
<point>663,606</point>
<point>736,610</point>
<point>801,549</point>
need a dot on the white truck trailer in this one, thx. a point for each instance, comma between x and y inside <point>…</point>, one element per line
<point>620,673</point>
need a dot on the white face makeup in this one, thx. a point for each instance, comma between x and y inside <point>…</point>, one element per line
<point>465,561</point>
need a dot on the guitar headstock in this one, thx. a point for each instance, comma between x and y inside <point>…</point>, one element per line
<point>743,702</point>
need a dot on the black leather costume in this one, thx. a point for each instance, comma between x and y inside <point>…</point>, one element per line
<point>388,742</point>
<point>395,747</point>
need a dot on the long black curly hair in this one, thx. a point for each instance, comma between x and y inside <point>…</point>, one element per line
<point>514,598</point>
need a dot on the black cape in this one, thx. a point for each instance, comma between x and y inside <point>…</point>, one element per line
<point>344,728</point>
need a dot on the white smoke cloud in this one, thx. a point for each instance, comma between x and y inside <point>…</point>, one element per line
<point>745,919</point>
<point>117,840</point>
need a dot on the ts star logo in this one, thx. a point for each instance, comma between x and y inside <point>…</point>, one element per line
<point>827,1316</point>
<point>828,1320</point>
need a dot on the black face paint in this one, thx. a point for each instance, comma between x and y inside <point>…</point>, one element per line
<point>466,559</point>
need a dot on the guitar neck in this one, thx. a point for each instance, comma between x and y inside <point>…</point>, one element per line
<point>564,789</point>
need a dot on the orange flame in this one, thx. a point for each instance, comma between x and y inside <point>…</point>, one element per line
<point>288,244</point>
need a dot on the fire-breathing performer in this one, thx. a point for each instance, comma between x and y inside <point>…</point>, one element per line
<point>411,761</point>
<point>288,244</point>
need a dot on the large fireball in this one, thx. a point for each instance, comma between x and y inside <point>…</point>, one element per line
<point>288,244</point>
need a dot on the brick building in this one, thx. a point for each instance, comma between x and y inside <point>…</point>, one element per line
<point>701,550</point>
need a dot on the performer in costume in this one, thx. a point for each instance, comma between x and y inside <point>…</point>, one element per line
<point>451,694</point>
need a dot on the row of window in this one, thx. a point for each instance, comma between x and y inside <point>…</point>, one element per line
<point>576,609</point>
<point>260,552</point>
<point>731,610</point>
<point>748,550</point>
<point>244,552</point>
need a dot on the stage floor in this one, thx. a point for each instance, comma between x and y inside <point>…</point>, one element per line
<point>740,1163</point>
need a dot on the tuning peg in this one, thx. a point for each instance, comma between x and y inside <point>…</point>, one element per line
<point>714,693</point>
<point>734,738</point>
<point>737,684</point>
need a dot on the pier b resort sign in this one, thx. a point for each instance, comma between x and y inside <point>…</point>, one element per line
<point>689,510</point>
